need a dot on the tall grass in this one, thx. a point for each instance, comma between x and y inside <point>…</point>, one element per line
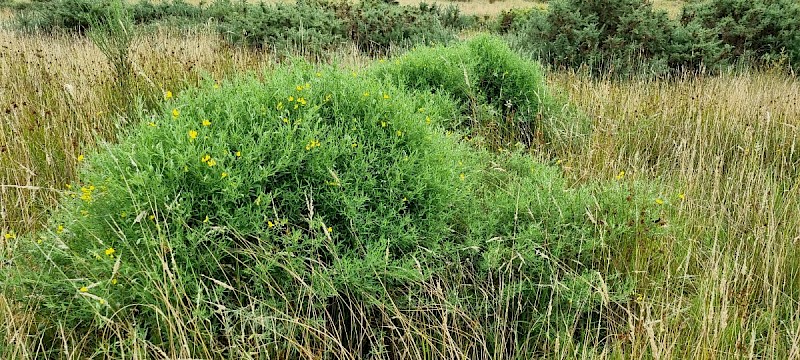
<point>728,147</point>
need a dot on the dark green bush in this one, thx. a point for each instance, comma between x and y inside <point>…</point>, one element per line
<point>75,15</point>
<point>320,204</point>
<point>615,36</point>
<point>761,31</point>
<point>283,26</point>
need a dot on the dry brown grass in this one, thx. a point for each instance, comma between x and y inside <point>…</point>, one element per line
<point>728,287</point>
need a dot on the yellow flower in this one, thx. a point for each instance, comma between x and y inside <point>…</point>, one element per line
<point>659,201</point>
<point>114,281</point>
<point>270,224</point>
<point>206,122</point>
<point>366,94</point>
<point>354,145</point>
<point>83,289</point>
<point>399,133</point>
<point>101,301</point>
<point>168,95</point>
<point>462,176</point>
<point>428,120</point>
<point>279,106</point>
<point>211,162</point>
<point>620,175</point>
<point>383,124</point>
<point>385,96</point>
<point>682,196</point>
<point>206,158</point>
<point>224,175</point>
<point>110,251</point>
<point>330,229</point>
<point>238,154</point>
<point>299,88</point>
<point>192,134</point>
<point>151,124</point>
<point>175,113</point>
<point>291,98</point>
<point>10,236</point>
<point>152,217</point>
<point>60,229</point>
<point>80,158</point>
<point>205,221</point>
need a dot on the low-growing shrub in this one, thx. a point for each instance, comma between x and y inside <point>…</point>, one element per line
<point>502,95</point>
<point>305,214</point>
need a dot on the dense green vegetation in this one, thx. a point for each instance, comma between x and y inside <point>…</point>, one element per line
<point>625,36</point>
<point>607,36</point>
<point>319,189</point>
<point>394,192</point>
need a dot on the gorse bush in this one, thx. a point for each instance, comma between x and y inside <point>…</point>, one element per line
<point>763,31</point>
<point>314,25</point>
<point>306,215</point>
<point>606,35</point>
<point>630,37</point>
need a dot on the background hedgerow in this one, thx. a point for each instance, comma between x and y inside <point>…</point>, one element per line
<point>316,26</point>
<point>310,214</point>
<point>761,31</point>
<point>631,37</point>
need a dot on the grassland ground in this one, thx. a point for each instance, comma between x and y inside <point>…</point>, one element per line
<point>724,149</point>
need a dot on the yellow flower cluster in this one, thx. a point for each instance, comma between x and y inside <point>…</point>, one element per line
<point>208,160</point>
<point>175,113</point>
<point>86,193</point>
<point>192,134</point>
<point>312,144</point>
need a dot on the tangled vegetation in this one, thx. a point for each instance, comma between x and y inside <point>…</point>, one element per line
<point>310,214</point>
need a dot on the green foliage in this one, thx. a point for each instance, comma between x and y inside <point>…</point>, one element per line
<point>314,25</point>
<point>113,35</point>
<point>375,25</point>
<point>630,37</point>
<point>56,15</point>
<point>606,35</point>
<point>502,95</point>
<point>287,201</point>
<point>283,26</point>
<point>763,31</point>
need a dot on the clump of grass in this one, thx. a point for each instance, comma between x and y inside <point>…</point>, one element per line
<point>311,214</point>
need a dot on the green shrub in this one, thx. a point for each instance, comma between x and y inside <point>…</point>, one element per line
<point>763,31</point>
<point>607,35</point>
<point>314,210</point>
<point>284,26</point>
<point>502,96</point>
<point>73,15</point>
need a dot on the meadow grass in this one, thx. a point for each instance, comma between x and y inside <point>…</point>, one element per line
<point>723,149</point>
